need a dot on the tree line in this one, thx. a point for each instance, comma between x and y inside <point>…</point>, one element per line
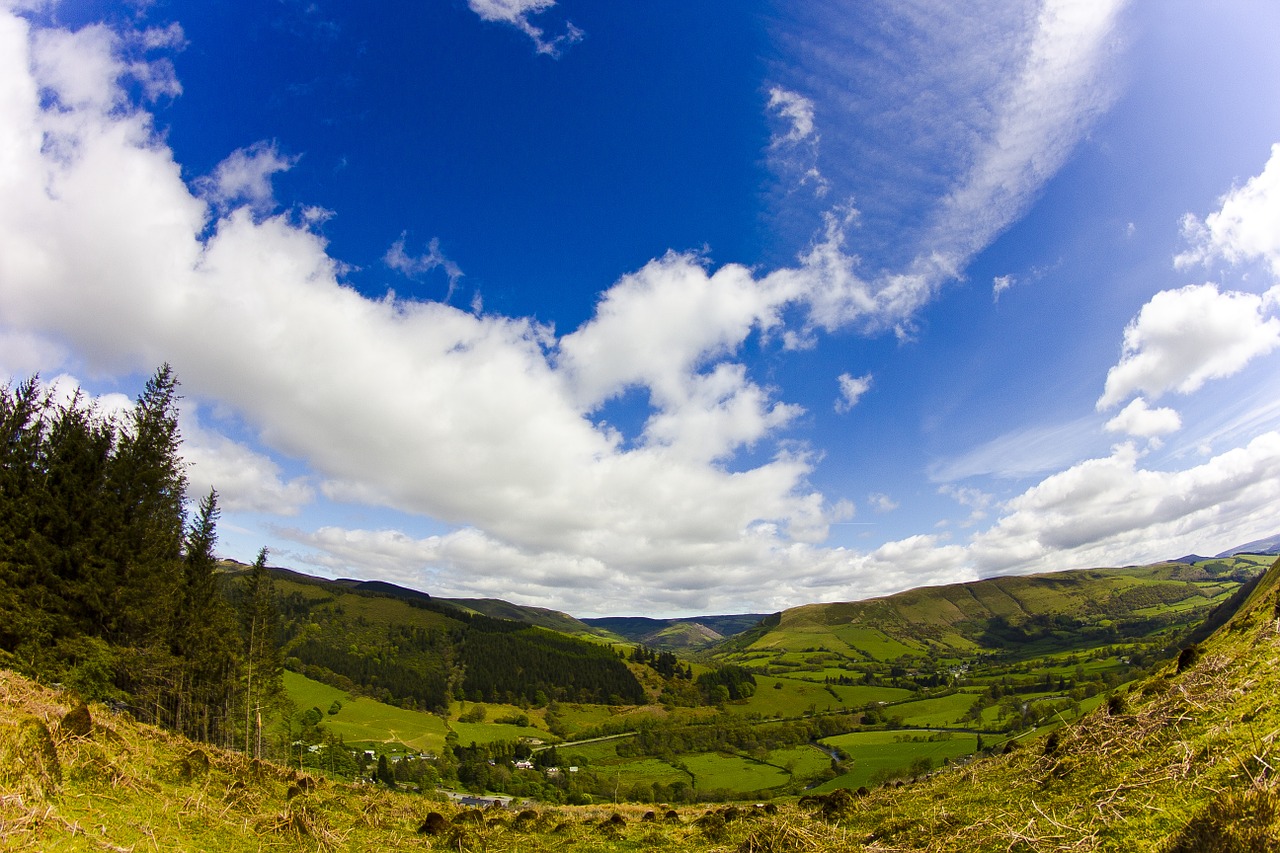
<point>108,587</point>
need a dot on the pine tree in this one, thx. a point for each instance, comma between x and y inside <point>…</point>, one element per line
<point>204,636</point>
<point>149,487</point>
<point>259,621</point>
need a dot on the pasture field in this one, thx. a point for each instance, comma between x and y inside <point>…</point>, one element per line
<point>878,754</point>
<point>857,695</point>
<point>803,762</point>
<point>792,698</point>
<point>624,776</point>
<point>715,770</point>
<point>366,720</point>
<point>937,711</point>
<point>872,642</point>
<point>478,733</point>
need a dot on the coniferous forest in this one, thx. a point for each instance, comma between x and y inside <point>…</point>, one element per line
<point>107,586</point>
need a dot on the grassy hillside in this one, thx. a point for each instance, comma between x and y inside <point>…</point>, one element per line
<point>1183,761</point>
<point>539,616</point>
<point>1028,615</point>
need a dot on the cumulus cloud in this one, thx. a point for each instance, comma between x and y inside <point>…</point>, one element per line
<point>1107,509</point>
<point>1245,227</point>
<point>881,502</point>
<point>1139,419</point>
<point>1183,338</point>
<point>483,422</point>
<point>975,500</point>
<point>851,390</point>
<point>516,13</point>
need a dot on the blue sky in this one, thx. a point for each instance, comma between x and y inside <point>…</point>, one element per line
<point>667,308</point>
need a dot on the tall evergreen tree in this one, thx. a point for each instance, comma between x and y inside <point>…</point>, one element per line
<point>204,635</point>
<point>259,625</point>
<point>149,485</point>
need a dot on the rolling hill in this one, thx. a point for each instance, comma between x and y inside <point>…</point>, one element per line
<point>1001,615</point>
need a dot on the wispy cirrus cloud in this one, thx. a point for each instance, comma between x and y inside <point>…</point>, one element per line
<point>999,98</point>
<point>415,266</point>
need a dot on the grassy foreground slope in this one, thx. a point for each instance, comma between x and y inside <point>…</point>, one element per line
<point>1185,761</point>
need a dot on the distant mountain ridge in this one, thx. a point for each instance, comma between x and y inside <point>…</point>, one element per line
<point>1270,545</point>
<point>696,633</point>
<point>679,634</point>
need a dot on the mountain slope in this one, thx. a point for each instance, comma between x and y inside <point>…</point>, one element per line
<point>1101,605</point>
<point>1183,762</point>
<point>407,648</point>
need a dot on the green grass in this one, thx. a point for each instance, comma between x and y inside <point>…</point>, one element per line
<point>876,754</point>
<point>625,775</point>
<point>804,762</point>
<point>1186,764</point>
<point>938,711</point>
<point>490,732</point>
<point>364,720</point>
<point>714,770</point>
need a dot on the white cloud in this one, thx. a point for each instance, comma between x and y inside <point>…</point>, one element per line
<point>881,502</point>
<point>244,479</point>
<point>1055,96</point>
<point>1000,284</point>
<point>1183,338</point>
<point>485,422</point>
<point>960,116</point>
<point>1022,452</point>
<point>516,13</point>
<point>415,266</point>
<point>794,150</point>
<point>1246,226</point>
<point>851,390</point>
<point>482,422</point>
<point>244,178</point>
<point>1139,419</point>
<point>1109,510</point>
<point>975,500</point>
<point>797,110</point>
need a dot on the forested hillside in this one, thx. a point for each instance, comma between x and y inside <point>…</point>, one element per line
<point>409,649</point>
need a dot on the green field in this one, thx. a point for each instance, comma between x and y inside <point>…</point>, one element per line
<point>938,711</point>
<point>364,720</point>
<point>796,697</point>
<point>714,770</point>
<point>877,754</point>
<point>803,762</point>
<point>469,733</point>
